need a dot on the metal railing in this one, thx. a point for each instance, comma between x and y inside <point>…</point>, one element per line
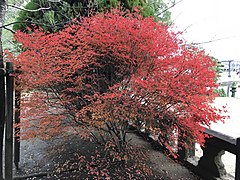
<point>7,75</point>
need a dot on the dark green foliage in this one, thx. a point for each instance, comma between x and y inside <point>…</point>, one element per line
<point>221,92</point>
<point>218,68</point>
<point>58,13</point>
<point>52,19</point>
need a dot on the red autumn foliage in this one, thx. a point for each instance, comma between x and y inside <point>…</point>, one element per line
<point>97,76</point>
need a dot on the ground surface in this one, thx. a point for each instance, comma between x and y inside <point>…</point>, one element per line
<point>41,157</point>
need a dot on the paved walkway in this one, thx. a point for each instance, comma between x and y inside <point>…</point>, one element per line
<point>41,157</point>
<point>169,169</point>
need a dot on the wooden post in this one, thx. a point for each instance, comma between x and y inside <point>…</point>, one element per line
<point>237,170</point>
<point>2,114</point>
<point>9,122</point>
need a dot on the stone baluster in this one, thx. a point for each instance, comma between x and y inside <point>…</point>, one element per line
<point>211,163</point>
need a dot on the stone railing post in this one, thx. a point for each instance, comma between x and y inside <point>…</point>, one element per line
<point>211,163</point>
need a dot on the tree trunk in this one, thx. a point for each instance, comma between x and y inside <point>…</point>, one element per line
<point>3,4</point>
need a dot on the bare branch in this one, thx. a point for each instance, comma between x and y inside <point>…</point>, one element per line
<point>187,28</point>
<point>9,30</point>
<point>19,22</point>
<point>29,10</point>
<point>210,41</point>
<point>169,8</point>
<point>54,1</point>
<point>31,22</point>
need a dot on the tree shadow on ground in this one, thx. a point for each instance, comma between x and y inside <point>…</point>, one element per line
<point>65,158</point>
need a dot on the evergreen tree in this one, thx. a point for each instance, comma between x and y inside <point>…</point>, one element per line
<point>52,15</point>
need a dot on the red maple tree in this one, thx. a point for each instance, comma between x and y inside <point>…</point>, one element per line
<point>98,76</point>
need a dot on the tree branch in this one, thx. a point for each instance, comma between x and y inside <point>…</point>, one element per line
<point>29,10</point>
<point>210,41</point>
<point>9,29</point>
<point>19,22</point>
<point>31,22</point>
<point>169,8</point>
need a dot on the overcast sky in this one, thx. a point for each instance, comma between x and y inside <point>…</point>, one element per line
<point>211,20</point>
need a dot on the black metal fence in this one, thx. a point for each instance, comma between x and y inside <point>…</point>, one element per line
<point>7,122</point>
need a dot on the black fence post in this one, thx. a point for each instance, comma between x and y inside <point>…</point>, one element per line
<point>237,170</point>
<point>9,122</point>
<point>17,128</point>
<point>2,114</point>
